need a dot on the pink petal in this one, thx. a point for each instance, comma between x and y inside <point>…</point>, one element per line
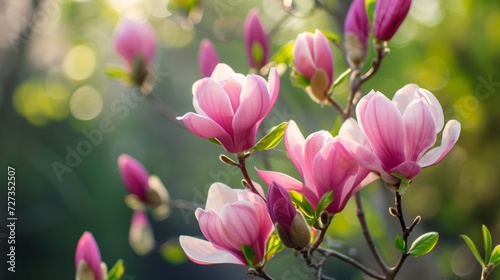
<point>420,129</point>
<point>313,144</point>
<point>404,96</point>
<point>88,252</point>
<point>363,155</point>
<point>409,169</point>
<point>204,127</point>
<point>221,72</point>
<point>370,178</point>
<point>302,57</point>
<point>134,176</point>
<point>323,58</point>
<point>383,126</point>
<point>212,228</point>
<point>451,133</point>
<point>293,142</point>
<point>218,195</point>
<point>214,102</point>
<point>273,87</point>
<point>435,108</point>
<point>350,129</point>
<point>232,87</point>
<point>239,223</point>
<point>289,184</point>
<point>203,252</point>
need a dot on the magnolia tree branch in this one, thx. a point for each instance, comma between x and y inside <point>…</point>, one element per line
<point>332,253</point>
<point>248,183</point>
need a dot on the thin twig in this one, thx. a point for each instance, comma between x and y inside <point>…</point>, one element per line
<point>242,165</point>
<point>366,233</point>
<point>321,236</point>
<point>332,253</point>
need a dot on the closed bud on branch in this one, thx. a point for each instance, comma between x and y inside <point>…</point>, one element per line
<point>256,41</point>
<point>207,58</point>
<point>141,237</point>
<point>389,14</point>
<point>88,259</point>
<point>356,31</point>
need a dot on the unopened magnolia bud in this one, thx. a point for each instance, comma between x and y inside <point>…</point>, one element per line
<point>157,198</point>
<point>356,30</point>
<point>389,14</point>
<point>300,235</point>
<point>141,237</point>
<point>417,220</point>
<point>88,259</point>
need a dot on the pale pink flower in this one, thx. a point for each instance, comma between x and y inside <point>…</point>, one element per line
<point>230,107</point>
<point>389,14</point>
<point>400,134</point>
<point>231,219</point>
<point>256,41</point>
<point>207,58</point>
<point>325,165</point>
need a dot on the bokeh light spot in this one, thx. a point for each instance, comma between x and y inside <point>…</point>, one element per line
<point>79,63</point>
<point>86,103</point>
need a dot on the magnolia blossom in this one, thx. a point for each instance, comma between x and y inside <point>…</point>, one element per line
<point>290,224</point>
<point>134,39</point>
<point>231,220</point>
<point>230,107</point>
<point>256,41</point>
<point>207,57</point>
<point>389,14</point>
<point>399,135</point>
<point>356,31</point>
<point>312,58</point>
<point>88,259</point>
<point>325,165</point>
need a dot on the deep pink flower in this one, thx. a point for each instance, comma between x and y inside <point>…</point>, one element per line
<point>87,257</point>
<point>231,219</point>
<point>389,14</point>
<point>325,165</point>
<point>312,57</point>
<point>256,41</point>
<point>207,57</point>
<point>400,133</point>
<point>134,176</point>
<point>356,31</point>
<point>230,107</point>
<point>133,40</point>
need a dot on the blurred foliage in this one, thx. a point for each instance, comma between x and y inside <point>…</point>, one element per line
<point>57,105</point>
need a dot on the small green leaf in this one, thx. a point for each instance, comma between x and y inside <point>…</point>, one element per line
<point>117,271</point>
<point>474,249</point>
<point>274,245</point>
<point>400,244</point>
<point>336,126</point>
<point>424,244</point>
<point>117,72</point>
<point>370,9</point>
<point>249,254</point>
<point>487,244</point>
<point>324,202</point>
<point>272,138</point>
<point>284,54</point>
<point>257,52</point>
<point>332,37</point>
<point>302,204</point>
<point>404,185</point>
<point>214,141</point>
<point>340,79</point>
<point>495,256</point>
<point>298,80</point>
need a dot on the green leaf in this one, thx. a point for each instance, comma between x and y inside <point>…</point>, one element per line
<point>370,9</point>
<point>249,254</point>
<point>400,244</point>
<point>336,126</point>
<point>495,256</point>
<point>257,53</point>
<point>284,54</point>
<point>340,79</point>
<point>214,141</point>
<point>274,245</point>
<point>302,204</point>
<point>272,138</point>
<point>117,72</point>
<point>424,244</point>
<point>487,244</point>
<point>324,202</point>
<point>474,249</point>
<point>404,185</point>
<point>117,271</point>
<point>332,37</point>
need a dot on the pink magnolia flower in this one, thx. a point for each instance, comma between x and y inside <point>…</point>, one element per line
<point>256,41</point>
<point>133,40</point>
<point>400,133</point>
<point>325,165</point>
<point>207,57</point>
<point>356,31</point>
<point>312,57</point>
<point>230,107</point>
<point>389,14</point>
<point>134,175</point>
<point>88,259</point>
<point>231,219</point>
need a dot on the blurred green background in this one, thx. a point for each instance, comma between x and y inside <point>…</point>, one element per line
<point>54,92</point>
